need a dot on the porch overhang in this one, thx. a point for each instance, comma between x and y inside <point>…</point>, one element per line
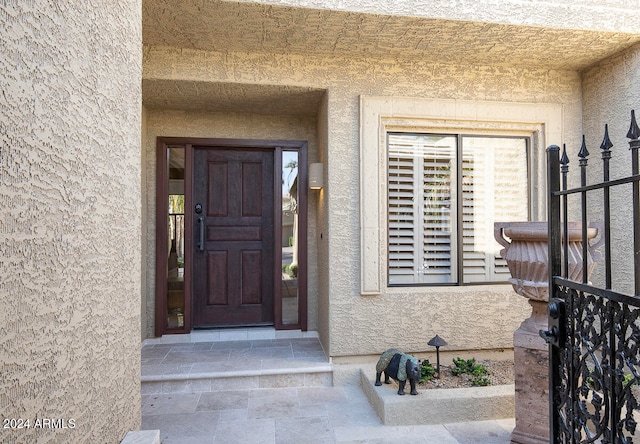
<point>558,35</point>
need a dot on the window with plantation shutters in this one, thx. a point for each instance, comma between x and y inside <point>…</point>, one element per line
<point>444,194</point>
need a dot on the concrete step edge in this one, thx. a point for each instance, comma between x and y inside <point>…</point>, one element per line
<point>325,368</point>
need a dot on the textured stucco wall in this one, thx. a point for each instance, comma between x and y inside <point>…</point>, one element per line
<point>611,91</point>
<point>173,123</point>
<point>322,230</point>
<point>144,278</point>
<point>70,192</point>
<point>468,317</point>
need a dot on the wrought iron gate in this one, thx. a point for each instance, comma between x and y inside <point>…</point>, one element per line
<point>594,332</point>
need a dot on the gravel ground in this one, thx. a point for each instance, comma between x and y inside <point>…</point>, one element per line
<point>500,373</point>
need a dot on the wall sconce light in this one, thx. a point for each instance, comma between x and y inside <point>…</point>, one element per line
<point>316,176</point>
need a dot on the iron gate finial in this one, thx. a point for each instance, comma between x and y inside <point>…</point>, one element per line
<point>634,131</point>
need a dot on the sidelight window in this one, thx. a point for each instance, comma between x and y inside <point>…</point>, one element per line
<point>290,237</point>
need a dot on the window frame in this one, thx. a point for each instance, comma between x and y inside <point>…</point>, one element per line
<point>378,114</point>
<point>457,236</point>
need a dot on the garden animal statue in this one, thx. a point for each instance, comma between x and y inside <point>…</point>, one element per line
<point>399,366</point>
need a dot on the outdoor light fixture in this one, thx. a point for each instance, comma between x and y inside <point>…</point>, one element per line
<point>437,342</point>
<point>316,176</point>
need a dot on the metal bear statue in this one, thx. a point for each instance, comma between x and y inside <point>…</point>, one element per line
<point>400,367</point>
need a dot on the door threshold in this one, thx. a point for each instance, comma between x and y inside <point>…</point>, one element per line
<point>231,327</point>
<point>232,334</point>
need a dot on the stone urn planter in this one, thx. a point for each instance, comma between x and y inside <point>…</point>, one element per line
<point>527,255</point>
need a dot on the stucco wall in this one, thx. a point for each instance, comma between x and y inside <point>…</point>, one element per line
<point>611,91</point>
<point>144,278</point>
<point>468,317</point>
<point>322,230</point>
<point>70,224</point>
<point>173,123</point>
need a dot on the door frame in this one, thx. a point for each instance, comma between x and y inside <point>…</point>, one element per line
<point>162,244</point>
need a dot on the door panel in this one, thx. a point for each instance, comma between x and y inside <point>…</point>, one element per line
<point>218,181</point>
<point>251,187</point>
<point>251,291</point>
<point>217,277</point>
<point>233,276</point>
<point>236,233</point>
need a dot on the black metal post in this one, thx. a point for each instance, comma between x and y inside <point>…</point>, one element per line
<point>555,264</point>
<point>634,144</point>
<point>564,161</point>
<point>583,154</point>
<point>558,362</point>
<point>606,156</point>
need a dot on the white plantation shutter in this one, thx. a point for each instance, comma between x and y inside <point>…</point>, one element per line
<point>495,188</point>
<point>423,223</point>
<point>474,207</point>
<point>511,200</point>
<point>402,218</point>
<point>438,211</point>
<point>420,170</point>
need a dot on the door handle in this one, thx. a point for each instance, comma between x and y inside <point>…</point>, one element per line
<point>200,244</point>
<point>556,335</point>
<point>550,336</point>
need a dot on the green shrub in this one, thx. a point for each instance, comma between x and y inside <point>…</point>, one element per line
<point>290,270</point>
<point>469,366</point>
<point>480,381</point>
<point>479,370</point>
<point>426,371</point>
<point>462,366</point>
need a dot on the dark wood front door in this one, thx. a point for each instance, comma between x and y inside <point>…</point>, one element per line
<point>233,232</point>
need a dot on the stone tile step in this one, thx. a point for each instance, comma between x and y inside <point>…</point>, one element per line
<point>320,375</point>
<point>234,359</point>
<point>231,334</point>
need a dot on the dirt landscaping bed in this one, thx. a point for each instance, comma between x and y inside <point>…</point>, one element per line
<point>500,373</point>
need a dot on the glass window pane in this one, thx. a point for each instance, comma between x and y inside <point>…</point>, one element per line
<point>421,208</point>
<point>494,189</point>
<point>289,246</point>
<point>439,210</point>
<point>175,260</point>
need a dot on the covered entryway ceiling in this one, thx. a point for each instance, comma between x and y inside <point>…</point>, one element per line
<point>189,95</point>
<point>516,35</point>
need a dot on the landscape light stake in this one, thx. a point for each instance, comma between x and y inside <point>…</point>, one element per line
<point>437,342</point>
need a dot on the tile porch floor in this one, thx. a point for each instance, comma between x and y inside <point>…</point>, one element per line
<point>187,407</point>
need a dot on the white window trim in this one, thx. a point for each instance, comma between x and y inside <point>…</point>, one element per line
<point>378,115</point>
